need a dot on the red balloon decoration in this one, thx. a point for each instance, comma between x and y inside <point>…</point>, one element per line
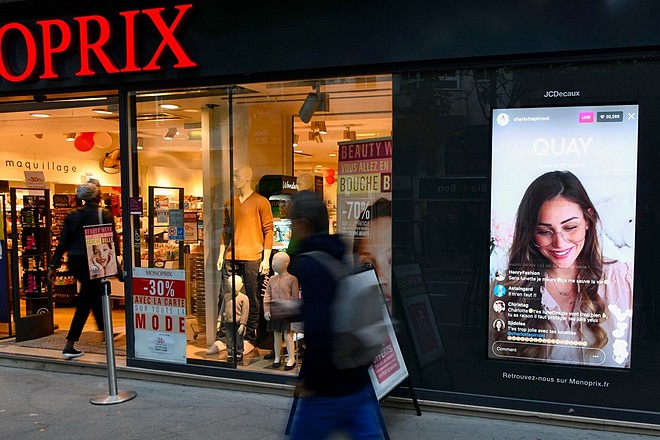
<point>84,141</point>
<point>330,180</point>
<point>330,172</point>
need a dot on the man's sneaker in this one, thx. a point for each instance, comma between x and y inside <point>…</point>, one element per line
<point>72,353</point>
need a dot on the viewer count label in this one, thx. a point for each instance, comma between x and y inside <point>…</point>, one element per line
<point>609,116</point>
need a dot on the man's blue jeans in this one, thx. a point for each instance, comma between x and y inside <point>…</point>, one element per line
<point>357,414</point>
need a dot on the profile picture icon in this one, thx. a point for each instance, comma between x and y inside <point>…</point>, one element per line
<point>499,325</point>
<point>503,119</point>
<point>499,291</point>
<point>499,275</point>
<point>499,306</point>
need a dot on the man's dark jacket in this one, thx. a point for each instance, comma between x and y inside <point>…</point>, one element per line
<point>317,373</point>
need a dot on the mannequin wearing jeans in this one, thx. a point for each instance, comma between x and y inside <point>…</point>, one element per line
<point>252,230</point>
<point>234,314</point>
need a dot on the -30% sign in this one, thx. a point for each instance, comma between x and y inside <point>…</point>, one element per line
<point>161,288</point>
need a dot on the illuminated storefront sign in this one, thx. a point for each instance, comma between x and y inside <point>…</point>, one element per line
<point>88,38</point>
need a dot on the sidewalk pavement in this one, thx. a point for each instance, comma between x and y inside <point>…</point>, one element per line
<point>41,405</point>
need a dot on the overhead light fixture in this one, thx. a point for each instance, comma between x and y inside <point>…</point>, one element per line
<point>170,106</point>
<point>315,136</point>
<point>140,143</point>
<point>315,101</point>
<point>109,110</point>
<point>40,115</point>
<point>171,132</point>
<point>295,140</point>
<point>349,134</point>
<point>320,127</point>
<point>70,137</point>
<point>39,135</point>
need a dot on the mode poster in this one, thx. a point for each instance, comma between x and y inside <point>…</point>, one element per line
<point>159,314</point>
<point>562,248</point>
<point>364,205</point>
<point>101,256</point>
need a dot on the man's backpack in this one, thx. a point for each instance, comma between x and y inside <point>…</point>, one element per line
<point>359,330</point>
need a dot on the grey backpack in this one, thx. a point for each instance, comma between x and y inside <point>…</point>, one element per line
<point>358,327</point>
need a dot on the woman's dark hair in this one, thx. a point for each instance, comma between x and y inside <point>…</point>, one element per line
<point>525,255</point>
<point>309,206</point>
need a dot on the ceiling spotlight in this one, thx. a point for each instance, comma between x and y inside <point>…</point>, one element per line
<point>103,111</point>
<point>140,143</point>
<point>171,132</point>
<point>315,101</point>
<point>70,137</point>
<point>40,115</point>
<point>169,106</point>
<point>349,134</point>
<point>320,127</point>
<point>315,136</point>
<point>295,140</point>
<point>39,135</point>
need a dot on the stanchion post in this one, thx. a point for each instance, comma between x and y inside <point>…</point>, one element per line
<point>113,395</point>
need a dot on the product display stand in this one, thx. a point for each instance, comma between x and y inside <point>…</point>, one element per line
<point>30,256</point>
<point>113,396</point>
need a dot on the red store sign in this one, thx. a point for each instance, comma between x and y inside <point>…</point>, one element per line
<point>93,35</point>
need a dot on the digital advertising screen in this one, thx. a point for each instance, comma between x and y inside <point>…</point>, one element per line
<point>562,234</point>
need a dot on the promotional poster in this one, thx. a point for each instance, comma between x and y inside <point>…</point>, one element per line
<point>563,201</point>
<point>159,311</point>
<point>364,205</point>
<point>101,255</point>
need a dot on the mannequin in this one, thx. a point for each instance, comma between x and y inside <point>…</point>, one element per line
<point>253,241</point>
<point>281,287</point>
<point>233,327</point>
<point>305,182</point>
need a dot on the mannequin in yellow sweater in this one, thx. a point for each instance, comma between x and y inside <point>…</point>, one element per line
<point>253,242</point>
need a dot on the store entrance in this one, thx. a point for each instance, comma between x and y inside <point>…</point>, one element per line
<point>50,144</point>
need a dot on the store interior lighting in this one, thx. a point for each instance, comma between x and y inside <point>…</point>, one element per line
<point>70,137</point>
<point>171,132</point>
<point>315,136</point>
<point>315,101</point>
<point>108,110</point>
<point>349,134</point>
<point>320,127</point>
<point>295,140</point>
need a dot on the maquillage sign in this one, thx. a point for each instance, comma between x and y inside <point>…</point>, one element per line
<point>55,168</point>
<point>30,51</point>
<point>159,314</point>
